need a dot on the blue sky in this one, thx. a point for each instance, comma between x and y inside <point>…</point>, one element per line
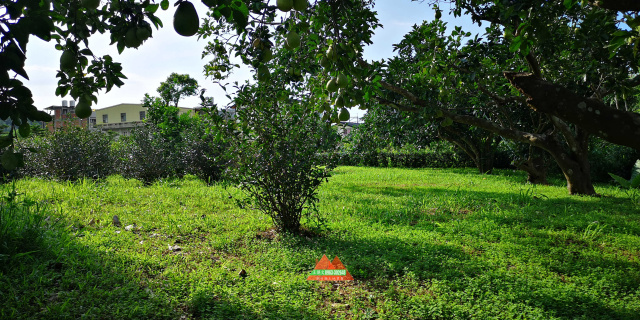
<point>169,52</point>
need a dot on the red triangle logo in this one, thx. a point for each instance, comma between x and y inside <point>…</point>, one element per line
<point>324,264</point>
<point>326,270</point>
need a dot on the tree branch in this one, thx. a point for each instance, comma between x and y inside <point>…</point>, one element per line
<point>512,134</point>
<point>618,5</point>
<point>533,64</point>
<point>565,130</point>
<point>397,105</point>
<point>415,100</point>
<point>616,126</point>
<point>501,100</point>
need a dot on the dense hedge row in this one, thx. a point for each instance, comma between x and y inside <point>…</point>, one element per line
<point>68,155</point>
<point>147,155</point>
<point>402,160</point>
<point>144,154</point>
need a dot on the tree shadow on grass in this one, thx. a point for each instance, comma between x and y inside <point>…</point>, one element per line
<point>66,279</point>
<point>537,210</point>
<point>376,264</point>
<point>552,234</point>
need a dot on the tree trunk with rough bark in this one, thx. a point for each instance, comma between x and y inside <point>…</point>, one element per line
<point>576,170</point>
<point>573,163</point>
<point>488,153</point>
<point>535,166</point>
<point>614,125</point>
<point>481,151</point>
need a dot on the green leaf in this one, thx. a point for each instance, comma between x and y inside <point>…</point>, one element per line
<point>5,141</point>
<point>614,44</point>
<point>241,19</point>
<point>152,8</point>
<point>623,182</point>
<point>156,21</point>
<point>41,27</point>
<point>568,3</point>
<point>622,33</point>
<point>9,160</point>
<point>635,182</point>
<point>21,92</point>
<point>14,59</point>
<point>20,32</point>
<point>633,23</point>
<point>515,44</point>
<point>164,4</point>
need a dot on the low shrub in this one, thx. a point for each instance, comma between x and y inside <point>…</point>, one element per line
<point>146,155</point>
<point>202,151</point>
<point>275,161</point>
<point>69,154</point>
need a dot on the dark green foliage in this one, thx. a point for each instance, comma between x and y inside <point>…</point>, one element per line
<point>387,128</point>
<point>164,117</point>
<point>150,154</point>
<point>69,154</point>
<point>274,161</point>
<point>147,155</point>
<point>203,150</point>
<point>608,158</point>
<point>176,87</point>
<point>416,159</point>
<point>391,138</point>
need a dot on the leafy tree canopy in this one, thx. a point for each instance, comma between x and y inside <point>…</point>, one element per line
<point>321,43</point>
<point>176,87</point>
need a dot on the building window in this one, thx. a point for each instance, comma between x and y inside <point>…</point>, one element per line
<point>123,117</point>
<point>105,118</point>
<point>142,115</point>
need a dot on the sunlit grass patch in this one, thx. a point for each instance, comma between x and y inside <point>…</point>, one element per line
<point>421,244</point>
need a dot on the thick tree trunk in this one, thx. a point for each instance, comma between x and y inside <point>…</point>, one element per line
<point>485,165</point>
<point>576,171</point>
<point>487,154</point>
<point>535,166</point>
<point>616,126</point>
<point>482,152</point>
<point>575,165</point>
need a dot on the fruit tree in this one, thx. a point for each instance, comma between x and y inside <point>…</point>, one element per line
<point>322,42</point>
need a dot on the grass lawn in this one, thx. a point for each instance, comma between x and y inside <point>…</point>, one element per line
<point>421,244</point>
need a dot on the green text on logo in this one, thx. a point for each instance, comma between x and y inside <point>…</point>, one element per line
<point>321,272</point>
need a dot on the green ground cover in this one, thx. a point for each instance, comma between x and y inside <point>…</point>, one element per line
<point>421,244</point>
